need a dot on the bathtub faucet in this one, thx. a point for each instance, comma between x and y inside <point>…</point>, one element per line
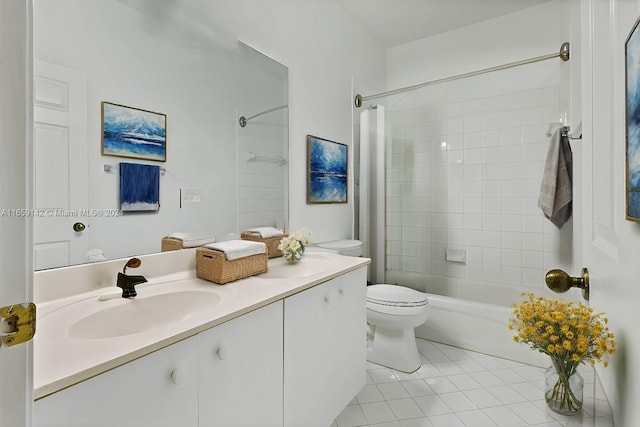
<point>128,283</point>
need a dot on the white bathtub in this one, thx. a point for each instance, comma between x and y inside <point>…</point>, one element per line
<point>474,316</point>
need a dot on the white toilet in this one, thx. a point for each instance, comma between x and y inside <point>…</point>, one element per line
<point>393,312</point>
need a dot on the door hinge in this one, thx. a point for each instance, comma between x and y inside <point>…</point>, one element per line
<point>17,323</point>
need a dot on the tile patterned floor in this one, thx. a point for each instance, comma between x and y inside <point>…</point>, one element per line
<point>461,388</point>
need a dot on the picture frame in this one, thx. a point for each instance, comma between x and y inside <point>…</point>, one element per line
<point>632,121</point>
<point>327,171</point>
<point>133,132</point>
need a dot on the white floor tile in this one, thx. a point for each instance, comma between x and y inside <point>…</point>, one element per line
<point>486,379</point>
<point>504,417</point>
<point>393,390</point>
<point>405,409</point>
<point>469,365</point>
<point>460,388</point>
<point>382,375</point>
<point>432,405</point>
<point>464,382</point>
<point>448,368</point>
<point>482,399</point>
<point>446,420</point>
<point>475,418</point>
<point>458,401</point>
<point>436,356</point>
<point>529,413</point>
<point>417,388</point>
<point>378,412</point>
<point>418,422</point>
<point>370,393</point>
<point>508,376</point>
<point>506,394</point>
<point>441,384</point>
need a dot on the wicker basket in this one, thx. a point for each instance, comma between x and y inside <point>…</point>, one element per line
<point>171,244</point>
<point>271,242</point>
<point>214,266</point>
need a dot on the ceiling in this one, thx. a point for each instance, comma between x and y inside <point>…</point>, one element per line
<point>395,22</point>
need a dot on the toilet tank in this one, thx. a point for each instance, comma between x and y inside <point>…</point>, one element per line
<point>346,247</point>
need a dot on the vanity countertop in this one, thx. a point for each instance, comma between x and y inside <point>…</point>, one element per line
<point>61,360</point>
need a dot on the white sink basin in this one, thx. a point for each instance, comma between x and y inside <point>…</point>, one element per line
<point>310,264</point>
<point>131,316</point>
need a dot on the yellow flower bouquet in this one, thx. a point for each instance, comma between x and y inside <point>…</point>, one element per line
<point>571,334</point>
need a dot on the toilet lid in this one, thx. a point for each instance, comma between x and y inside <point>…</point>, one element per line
<point>340,244</point>
<point>395,295</point>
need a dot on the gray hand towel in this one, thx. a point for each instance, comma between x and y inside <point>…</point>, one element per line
<point>556,193</point>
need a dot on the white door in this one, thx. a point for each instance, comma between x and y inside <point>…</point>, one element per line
<point>60,166</point>
<point>16,274</point>
<point>610,244</point>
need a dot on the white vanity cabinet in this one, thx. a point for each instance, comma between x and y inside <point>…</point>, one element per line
<point>159,389</point>
<point>241,371</point>
<point>296,362</point>
<point>324,350</point>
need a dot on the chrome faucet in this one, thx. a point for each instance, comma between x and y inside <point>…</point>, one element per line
<point>128,283</point>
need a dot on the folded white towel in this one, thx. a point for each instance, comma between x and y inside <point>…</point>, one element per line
<point>267,231</point>
<point>193,240</point>
<point>556,193</point>
<point>235,249</point>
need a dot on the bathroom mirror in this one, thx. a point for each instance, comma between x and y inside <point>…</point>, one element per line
<point>218,177</point>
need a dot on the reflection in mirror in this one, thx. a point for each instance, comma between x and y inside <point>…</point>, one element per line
<point>262,89</point>
<point>149,58</point>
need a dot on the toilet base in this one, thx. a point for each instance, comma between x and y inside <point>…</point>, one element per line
<point>393,348</point>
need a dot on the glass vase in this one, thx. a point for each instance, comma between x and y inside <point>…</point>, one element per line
<point>293,256</point>
<point>563,388</point>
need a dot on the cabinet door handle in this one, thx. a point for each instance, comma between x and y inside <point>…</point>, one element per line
<point>221,353</point>
<point>326,300</point>
<point>341,292</point>
<point>176,376</point>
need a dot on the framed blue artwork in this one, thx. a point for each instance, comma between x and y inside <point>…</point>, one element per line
<point>632,68</point>
<point>132,132</point>
<point>139,187</point>
<point>326,171</point>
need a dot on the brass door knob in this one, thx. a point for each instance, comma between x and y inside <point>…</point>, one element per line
<point>78,227</point>
<point>559,281</point>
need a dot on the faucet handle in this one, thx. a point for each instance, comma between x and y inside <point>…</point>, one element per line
<point>133,263</point>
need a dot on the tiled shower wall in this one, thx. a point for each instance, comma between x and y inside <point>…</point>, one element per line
<point>464,172</point>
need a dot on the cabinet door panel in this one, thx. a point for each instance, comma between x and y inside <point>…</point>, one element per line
<point>349,334</point>
<point>140,393</point>
<point>241,371</point>
<point>325,350</point>
<point>307,376</point>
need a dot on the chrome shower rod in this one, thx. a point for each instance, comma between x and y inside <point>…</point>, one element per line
<point>562,54</point>
<point>243,120</point>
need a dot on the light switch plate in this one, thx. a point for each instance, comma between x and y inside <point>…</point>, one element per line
<point>192,198</point>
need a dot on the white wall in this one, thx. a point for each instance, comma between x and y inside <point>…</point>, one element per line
<point>477,192</point>
<point>325,49</point>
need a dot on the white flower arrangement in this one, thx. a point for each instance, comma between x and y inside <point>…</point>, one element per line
<point>292,246</point>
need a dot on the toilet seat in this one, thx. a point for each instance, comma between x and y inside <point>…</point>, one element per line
<point>396,300</point>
